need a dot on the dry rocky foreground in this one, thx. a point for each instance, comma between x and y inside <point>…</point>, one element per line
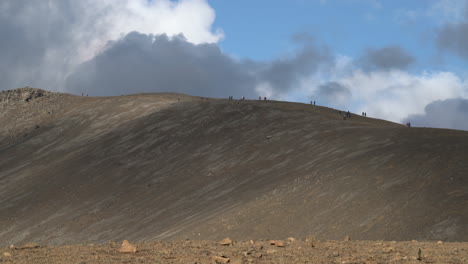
<point>287,251</point>
<point>77,172</point>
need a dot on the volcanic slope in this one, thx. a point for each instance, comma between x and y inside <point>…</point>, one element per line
<point>170,166</point>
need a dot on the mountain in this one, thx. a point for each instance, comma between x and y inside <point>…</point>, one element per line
<point>78,169</point>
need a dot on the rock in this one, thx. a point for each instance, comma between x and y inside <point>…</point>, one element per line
<point>347,238</point>
<point>28,246</point>
<point>335,254</point>
<point>272,242</point>
<point>26,96</point>
<point>251,242</point>
<point>419,254</point>
<point>389,250</point>
<point>269,137</point>
<point>440,242</point>
<point>280,244</point>
<point>291,239</point>
<point>7,254</point>
<point>271,251</point>
<point>226,242</point>
<point>221,259</point>
<point>12,247</point>
<point>127,247</point>
<point>414,241</point>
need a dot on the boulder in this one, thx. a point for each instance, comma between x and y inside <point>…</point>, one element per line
<point>128,248</point>
<point>226,242</point>
<point>221,259</point>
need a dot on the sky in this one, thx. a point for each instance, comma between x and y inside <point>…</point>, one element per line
<point>403,61</point>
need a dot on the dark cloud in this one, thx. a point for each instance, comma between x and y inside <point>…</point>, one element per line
<point>146,63</point>
<point>450,113</point>
<point>44,44</point>
<point>334,94</point>
<point>387,58</point>
<point>454,38</point>
<point>283,74</point>
<point>40,41</point>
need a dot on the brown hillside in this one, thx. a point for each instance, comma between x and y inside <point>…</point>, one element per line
<point>169,166</point>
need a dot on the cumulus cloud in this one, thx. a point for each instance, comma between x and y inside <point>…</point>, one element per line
<point>158,63</point>
<point>44,41</point>
<point>450,113</point>
<point>147,63</point>
<point>387,58</point>
<point>391,95</point>
<point>395,94</point>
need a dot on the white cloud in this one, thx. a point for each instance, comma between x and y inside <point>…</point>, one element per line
<point>396,94</point>
<point>391,95</point>
<point>44,41</point>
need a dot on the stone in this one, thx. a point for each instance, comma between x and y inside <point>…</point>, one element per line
<point>271,251</point>
<point>440,242</point>
<point>251,242</point>
<point>29,246</point>
<point>7,254</point>
<point>291,239</point>
<point>272,242</point>
<point>226,242</point>
<point>280,244</point>
<point>128,248</point>
<point>389,250</point>
<point>221,259</point>
<point>347,238</point>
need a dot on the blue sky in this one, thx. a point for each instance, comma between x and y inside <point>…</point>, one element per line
<point>263,29</point>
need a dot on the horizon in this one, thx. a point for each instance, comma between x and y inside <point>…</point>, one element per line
<point>401,61</point>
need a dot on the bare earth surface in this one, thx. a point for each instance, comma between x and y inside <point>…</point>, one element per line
<point>340,252</point>
<point>160,167</point>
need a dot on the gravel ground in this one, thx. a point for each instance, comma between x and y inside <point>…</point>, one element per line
<point>285,251</point>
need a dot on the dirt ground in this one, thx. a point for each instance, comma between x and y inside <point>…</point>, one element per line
<point>285,251</point>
